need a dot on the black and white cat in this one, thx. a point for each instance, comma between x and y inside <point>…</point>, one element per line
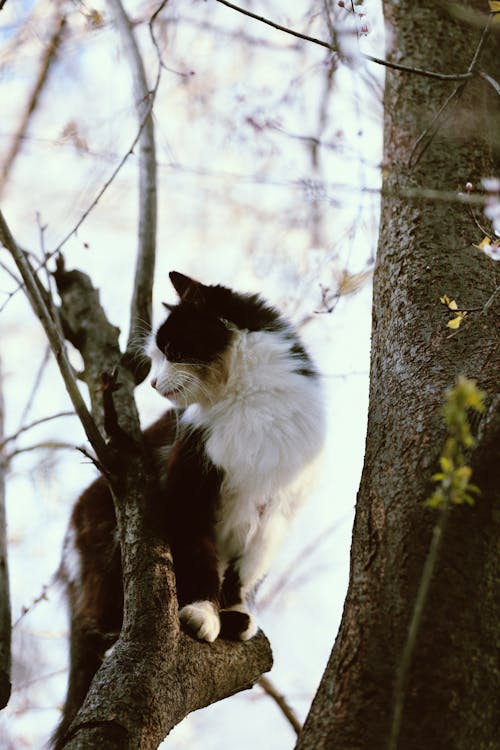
<point>253,422</point>
<point>233,468</point>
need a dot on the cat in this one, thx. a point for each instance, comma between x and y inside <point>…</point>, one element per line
<point>233,454</point>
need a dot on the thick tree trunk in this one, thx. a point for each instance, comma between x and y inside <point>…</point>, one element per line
<point>453,691</point>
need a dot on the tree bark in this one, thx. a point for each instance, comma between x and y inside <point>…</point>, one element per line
<point>452,698</point>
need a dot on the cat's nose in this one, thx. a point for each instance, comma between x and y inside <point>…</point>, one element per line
<point>153,382</point>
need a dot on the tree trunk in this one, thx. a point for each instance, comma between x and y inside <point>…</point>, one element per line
<point>452,697</point>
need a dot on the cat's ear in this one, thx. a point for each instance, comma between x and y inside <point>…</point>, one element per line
<point>188,289</point>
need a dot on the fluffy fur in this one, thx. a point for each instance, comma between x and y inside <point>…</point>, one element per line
<point>232,467</point>
<point>253,397</point>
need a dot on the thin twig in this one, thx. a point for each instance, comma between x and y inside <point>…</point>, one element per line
<point>482,42</point>
<point>5,606</point>
<point>326,45</point>
<point>47,61</point>
<point>42,596</point>
<point>34,388</point>
<point>45,445</point>
<point>141,305</point>
<point>281,702</point>
<point>435,125</point>
<point>35,423</point>
<point>302,557</point>
<point>430,131</point>
<point>109,181</point>
<point>482,74</point>
<point>57,345</point>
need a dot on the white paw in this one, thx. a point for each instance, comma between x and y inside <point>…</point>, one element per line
<point>201,619</point>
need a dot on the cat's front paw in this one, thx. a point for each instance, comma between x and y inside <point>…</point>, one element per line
<point>201,619</point>
<point>237,624</point>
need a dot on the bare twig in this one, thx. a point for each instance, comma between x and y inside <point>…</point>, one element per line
<point>371,58</point>
<point>5,627</point>
<point>270,688</point>
<point>117,169</point>
<point>482,74</point>
<point>302,557</point>
<point>45,445</point>
<point>46,64</point>
<point>425,139</point>
<point>427,136</point>
<point>40,308</point>
<point>42,597</point>
<point>35,423</point>
<point>34,388</point>
<point>141,306</point>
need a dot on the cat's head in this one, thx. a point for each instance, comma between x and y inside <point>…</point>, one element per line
<point>190,349</point>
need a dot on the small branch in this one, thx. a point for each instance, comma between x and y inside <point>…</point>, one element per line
<point>42,596</point>
<point>57,345</point>
<point>427,136</point>
<point>5,609</point>
<point>111,179</point>
<point>34,388</point>
<point>430,131</point>
<point>46,444</point>
<point>371,58</point>
<point>47,61</point>
<point>480,47</point>
<point>482,74</point>
<point>35,423</point>
<point>141,306</point>
<point>280,700</point>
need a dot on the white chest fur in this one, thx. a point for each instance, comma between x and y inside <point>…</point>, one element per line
<point>264,432</point>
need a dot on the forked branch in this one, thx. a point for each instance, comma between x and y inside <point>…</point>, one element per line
<point>38,303</point>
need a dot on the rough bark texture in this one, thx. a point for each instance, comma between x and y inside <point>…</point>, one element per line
<point>453,694</point>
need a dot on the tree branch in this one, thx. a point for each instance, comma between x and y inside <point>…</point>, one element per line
<point>175,678</point>
<point>492,82</point>
<point>371,58</point>
<point>35,423</point>
<point>175,673</point>
<point>46,63</point>
<point>32,285</point>
<point>436,123</point>
<point>270,689</point>
<point>5,614</point>
<point>141,306</point>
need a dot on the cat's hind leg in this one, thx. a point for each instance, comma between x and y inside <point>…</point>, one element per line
<point>244,573</point>
<point>237,622</point>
